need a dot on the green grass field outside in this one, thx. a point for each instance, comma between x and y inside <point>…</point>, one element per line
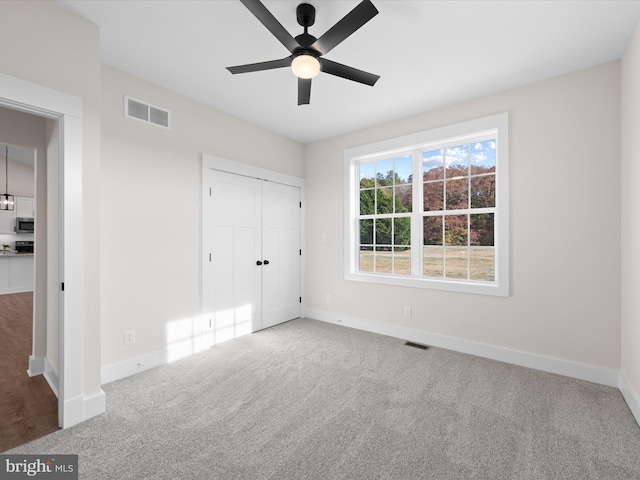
<point>474,263</point>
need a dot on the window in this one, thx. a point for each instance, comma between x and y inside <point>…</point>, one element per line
<point>431,209</point>
<point>385,215</point>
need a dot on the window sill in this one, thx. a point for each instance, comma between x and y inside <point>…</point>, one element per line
<point>460,286</point>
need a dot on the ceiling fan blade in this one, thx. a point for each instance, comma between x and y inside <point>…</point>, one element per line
<point>304,91</point>
<point>274,26</point>
<point>256,67</point>
<point>350,73</point>
<point>351,22</point>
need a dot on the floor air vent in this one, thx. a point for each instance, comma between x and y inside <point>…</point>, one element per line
<point>146,113</point>
<point>417,345</point>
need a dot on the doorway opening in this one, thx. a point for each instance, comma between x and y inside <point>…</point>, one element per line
<point>28,253</point>
<point>65,113</point>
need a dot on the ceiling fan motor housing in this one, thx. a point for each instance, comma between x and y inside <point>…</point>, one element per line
<point>306,14</point>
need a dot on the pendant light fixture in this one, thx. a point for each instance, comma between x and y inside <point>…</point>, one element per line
<point>6,201</point>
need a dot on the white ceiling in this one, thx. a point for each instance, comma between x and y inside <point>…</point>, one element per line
<point>429,53</point>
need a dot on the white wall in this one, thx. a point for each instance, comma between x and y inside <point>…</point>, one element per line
<point>23,130</point>
<point>43,44</point>
<point>21,176</point>
<point>630,208</point>
<point>564,216</point>
<point>151,216</point>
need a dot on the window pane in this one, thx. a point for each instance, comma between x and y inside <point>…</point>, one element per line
<point>483,157</point>
<point>404,197</point>
<point>404,169</point>
<point>432,263</point>
<point>458,193</point>
<point>402,231</point>
<point>432,230</point>
<point>482,263</point>
<point>455,230</point>
<point>384,260</point>
<point>482,252</point>
<point>366,259</point>
<point>384,200</point>
<point>366,232</point>
<point>456,262</point>
<point>383,231</point>
<point>384,172</point>
<point>367,175</point>
<point>457,159</point>
<point>482,230</point>
<point>402,260</point>
<point>483,191</point>
<point>432,165</point>
<point>367,202</point>
<point>433,196</point>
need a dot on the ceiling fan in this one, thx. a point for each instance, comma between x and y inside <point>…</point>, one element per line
<point>306,59</point>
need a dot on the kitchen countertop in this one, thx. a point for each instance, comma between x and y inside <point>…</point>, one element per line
<point>15,254</point>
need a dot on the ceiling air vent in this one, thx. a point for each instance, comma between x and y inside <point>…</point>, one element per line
<point>146,113</point>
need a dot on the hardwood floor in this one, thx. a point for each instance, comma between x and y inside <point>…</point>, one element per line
<point>28,407</point>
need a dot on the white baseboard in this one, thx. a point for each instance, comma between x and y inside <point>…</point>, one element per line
<point>116,371</point>
<point>51,376</point>
<point>72,411</point>
<point>603,376</point>
<point>42,366</point>
<point>177,350</point>
<point>95,405</point>
<point>77,409</point>
<point>630,396</point>
<point>81,408</point>
<point>36,366</point>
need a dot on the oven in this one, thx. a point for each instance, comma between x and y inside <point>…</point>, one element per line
<point>24,246</point>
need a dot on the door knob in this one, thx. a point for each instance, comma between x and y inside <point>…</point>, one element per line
<point>258,263</point>
<point>266,262</point>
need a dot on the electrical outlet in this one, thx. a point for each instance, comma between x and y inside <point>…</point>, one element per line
<point>129,337</point>
<point>328,298</point>
<point>407,311</point>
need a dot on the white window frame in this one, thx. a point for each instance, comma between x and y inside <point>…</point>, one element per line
<point>495,125</point>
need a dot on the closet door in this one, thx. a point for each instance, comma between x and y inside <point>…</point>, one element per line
<point>231,301</point>
<point>281,248</point>
<point>251,247</point>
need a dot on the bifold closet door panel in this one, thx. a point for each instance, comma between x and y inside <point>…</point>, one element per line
<point>281,248</point>
<point>235,248</point>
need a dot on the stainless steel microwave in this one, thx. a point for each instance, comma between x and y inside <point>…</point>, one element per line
<point>25,225</point>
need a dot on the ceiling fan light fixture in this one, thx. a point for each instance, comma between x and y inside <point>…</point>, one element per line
<point>305,66</point>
